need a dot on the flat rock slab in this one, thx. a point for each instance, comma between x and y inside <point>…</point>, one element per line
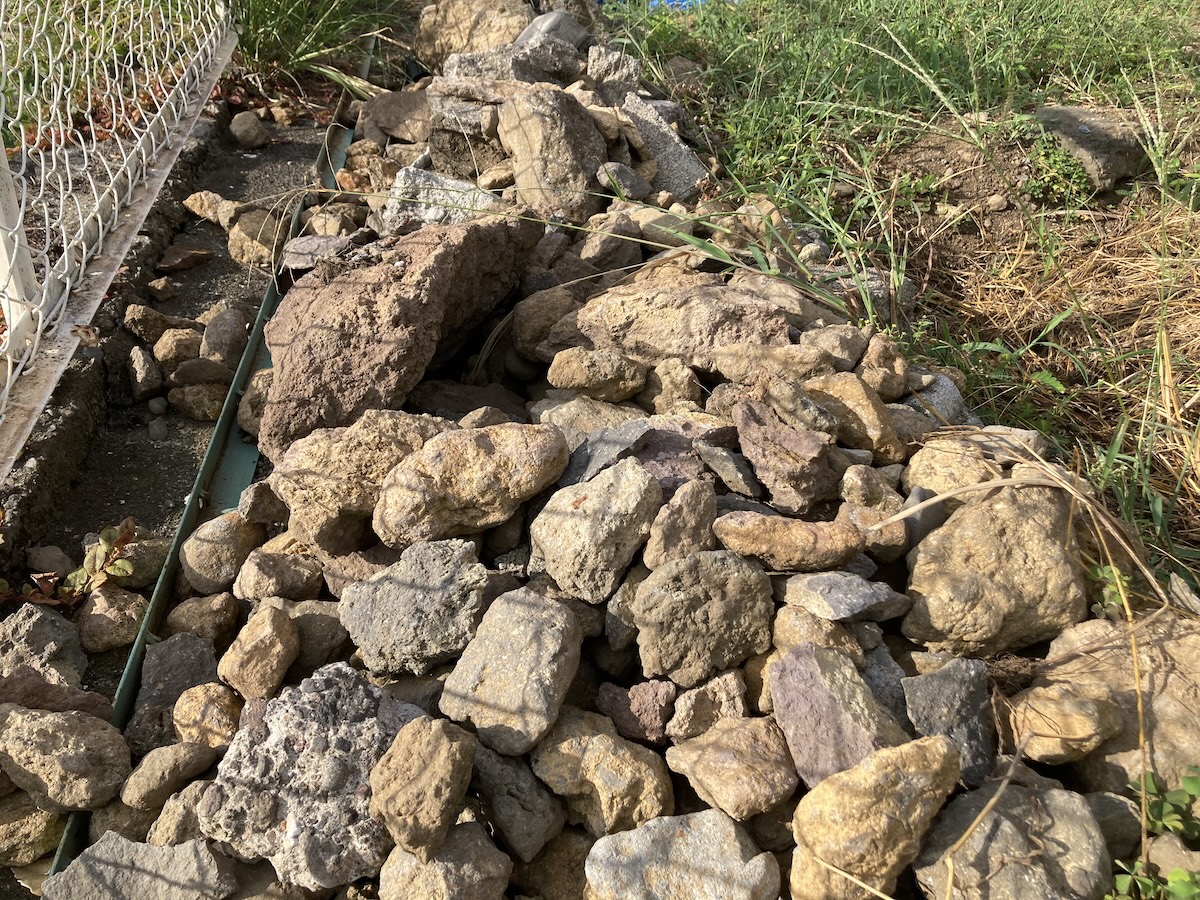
<point>116,867</point>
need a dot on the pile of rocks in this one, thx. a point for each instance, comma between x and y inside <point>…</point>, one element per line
<point>650,603</point>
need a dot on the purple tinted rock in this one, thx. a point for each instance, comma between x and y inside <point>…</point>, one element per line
<point>829,716</point>
<point>640,713</point>
<point>791,462</point>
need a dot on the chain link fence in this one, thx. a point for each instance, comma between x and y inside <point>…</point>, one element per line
<point>92,93</point>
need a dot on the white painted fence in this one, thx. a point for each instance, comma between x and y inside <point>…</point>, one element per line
<point>95,98</point>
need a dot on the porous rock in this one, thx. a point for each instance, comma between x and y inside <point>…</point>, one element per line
<point>789,545</point>
<point>701,614</point>
<point>294,785</point>
<point>418,612</point>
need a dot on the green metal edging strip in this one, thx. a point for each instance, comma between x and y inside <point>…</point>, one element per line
<point>226,470</point>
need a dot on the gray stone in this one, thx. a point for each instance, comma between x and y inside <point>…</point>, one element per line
<point>145,376</point>
<point>215,552</point>
<point>116,867</point>
<point>603,448</point>
<point>828,714</point>
<point>419,612</point>
<point>225,338</point>
<point>557,24</point>
<point>623,181</point>
<point>169,668</point>
<point>1120,820</point>
<point>131,824</point>
<point>885,677</point>
<point>680,171</point>
<point>1031,843</point>
<point>294,785</point>
<point>704,855</point>
<point>844,597</point>
<point>732,468</point>
<point>419,197</point>
<point>588,533</point>
<point>943,402</point>
<point>44,641</point>
<point>288,575</point>
<point>248,130</point>
<point>614,73</point>
<point>794,464</point>
<point>544,58</point>
<point>1109,143</point>
<point>955,701</point>
<point>524,813</point>
<point>64,760</point>
<point>701,614</point>
<point>557,872</point>
<point>513,676</point>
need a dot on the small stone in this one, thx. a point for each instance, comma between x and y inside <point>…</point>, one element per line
<point>944,464</point>
<point>255,663</point>
<point>610,784</point>
<point>212,557</point>
<point>525,814</point>
<point>955,701</point>
<point>131,824</point>
<point>1120,819</point>
<point>641,712</point>
<point>225,338</point>
<point>418,785</point>
<point>110,618</point>
<point>514,674</point>
<point>199,402</point>
<point>684,525</point>
<point>704,854</point>
<point>588,533</point>
<point>248,130</point>
<point>26,832</point>
<point>698,710</point>
<point>785,544</point>
<point>177,821</point>
<point>741,766</point>
<point>179,257</point>
<point>145,376</point>
<point>623,181</point>
<point>288,575</point>
<point>163,771</point>
<point>207,714</point>
<point>214,618</point>
<point>467,867</point>
<point>844,597</point>
<point>870,820</point>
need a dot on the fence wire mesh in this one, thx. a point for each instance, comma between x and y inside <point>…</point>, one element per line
<point>90,91</point>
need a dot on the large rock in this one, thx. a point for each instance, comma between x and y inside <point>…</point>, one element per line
<point>870,820</point>
<point>556,151</point>
<point>1033,842</point>
<point>1004,572</point>
<point>831,719</point>
<point>464,482</point>
<point>330,479</point>
<point>702,856</point>
<point>363,339</point>
<point>27,687</point>
<point>44,641</point>
<point>610,784</point>
<point>701,614</point>
<point>656,319</point>
<point>419,612</point>
<point>417,787</point>
<point>1096,656</point>
<point>110,618</point>
<point>588,533</point>
<point>116,867</point>
<point>292,576</point>
<point>684,525</point>
<point>461,26</point>
<point>212,557</point>
<point>513,676</point>
<point>64,760</point>
<point>294,785</point>
<point>741,766</point>
<point>466,867</point>
<point>524,813</point>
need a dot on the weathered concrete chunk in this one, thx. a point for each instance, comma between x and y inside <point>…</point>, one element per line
<point>464,482</point>
<point>419,197</point>
<point>870,820</point>
<point>513,676</point>
<point>701,614</point>
<point>294,785</point>
<point>116,867</point>
<point>680,171</point>
<point>969,597</point>
<point>610,784</point>
<point>828,714</point>
<point>419,612</point>
<point>588,533</point>
<point>704,855</point>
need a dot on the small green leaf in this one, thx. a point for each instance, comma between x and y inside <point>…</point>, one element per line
<point>1191,784</point>
<point>120,567</point>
